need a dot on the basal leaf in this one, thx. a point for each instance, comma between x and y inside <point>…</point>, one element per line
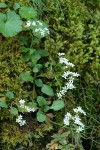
<point>3,5</point>
<point>41,101</point>
<point>27,12</point>
<point>42,52</point>
<point>39,82</point>
<point>57,105</point>
<point>10,24</point>
<point>37,68</point>
<point>46,108</point>
<point>16,6</point>
<point>26,77</point>
<point>13,111</point>
<point>41,117</point>
<point>10,95</point>
<point>3,104</point>
<point>46,89</point>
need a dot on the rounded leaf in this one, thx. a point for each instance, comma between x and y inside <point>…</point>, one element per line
<point>41,101</point>
<point>14,111</point>
<point>39,82</point>
<point>41,117</point>
<point>3,104</point>
<point>57,105</point>
<point>3,5</point>
<point>10,24</point>
<point>9,95</point>
<point>46,89</point>
<point>16,6</point>
<point>27,12</point>
<point>26,77</point>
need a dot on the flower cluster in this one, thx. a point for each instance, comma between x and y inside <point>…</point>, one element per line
<point>66,75</point>
<point>27,108</point>
<point>20,120</point>
<point>79,109</point>
<point>75,118</point>
<point>42,30</point>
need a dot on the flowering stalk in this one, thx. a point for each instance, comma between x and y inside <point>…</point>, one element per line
<point>75,119</point>
<point>66,75</point>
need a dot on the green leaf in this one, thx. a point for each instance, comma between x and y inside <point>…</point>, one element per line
<point>47,90</point>
<point>25,50</point>
<point>3,5</point>
<point>42,52</point>
<point>37,68</point>
<point>26,57</point>
<point>10,24</point>
<point>57,105</point>
<point>16,6</point>
<point>39,82</point>
<point>41,101</point>
<point>23,40</point>
<point>32,51</point>
<point>10,95</point>
<point>13,111</point>
<point>26,77</point>
<point>27,12</point>
<point>35,57</point>
<point>32,105</point>
<point>46,108</point>
<point>41,117</point>
<point>3,104</point>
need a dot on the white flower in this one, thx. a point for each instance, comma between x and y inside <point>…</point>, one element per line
<point>20,120</point>
<point>22,103</point>
<point>67,73</point>
<point>70,85</point>
<point>71,79</point>
<point>75,74</point>
<point>29,109</point>
<point>77,120</point>
<point>28,23</point>
<point>67,118</point>
<point>68,115</point>
<point>59,95</point>
<point>33,23</point>
<point>66,62</point>
<point>40,23</point>
<point>79,129</point>
<point>42,32</point>
<point>79,109</point>
<point>61,54</point>
<point>66,122</point>
<point>46,29</point>
<point>36,30</point>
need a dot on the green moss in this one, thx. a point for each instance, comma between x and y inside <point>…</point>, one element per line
<point>21,2</point>
<point>11,65</point>
<point>77,34</point>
